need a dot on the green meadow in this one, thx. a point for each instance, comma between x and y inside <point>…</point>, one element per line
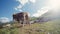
<point>50,27</point>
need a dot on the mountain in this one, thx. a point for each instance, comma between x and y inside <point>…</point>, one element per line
<point>49,16</point>
<point>33,18</point>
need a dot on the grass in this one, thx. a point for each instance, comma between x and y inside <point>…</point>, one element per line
<point>50,27</point>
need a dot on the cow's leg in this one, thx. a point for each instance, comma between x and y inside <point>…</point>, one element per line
<point>24,20</point>
<point>19,22</point>
<point>24,23</point>
<point>14,20</point>
<point>29,22</point>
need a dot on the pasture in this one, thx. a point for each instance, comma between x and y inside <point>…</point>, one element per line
<point>50,27</point>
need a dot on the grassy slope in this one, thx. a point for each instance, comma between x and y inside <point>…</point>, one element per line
<point>51,27</point>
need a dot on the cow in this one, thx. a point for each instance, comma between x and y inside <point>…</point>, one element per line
<point>22,18</point>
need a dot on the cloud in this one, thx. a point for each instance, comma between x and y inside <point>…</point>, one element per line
<point>20,6</point>
<point>25,1</point>
<point>54,4</point>
<point>33,1</point>
<point>4,19</point>
<point>49,5</point>
<point>41,12</point>
<point>22,3</point>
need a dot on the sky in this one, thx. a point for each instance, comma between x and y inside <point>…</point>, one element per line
<point>36,8</point>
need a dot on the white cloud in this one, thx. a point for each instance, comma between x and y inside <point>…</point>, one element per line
<point>40,12</point>
<point>20,10</point>
<point>15,8</point>
<point>22,3</point>
<point>4,19</point>
<point>54,4</point>
<point>33,1</point>
<point>25,1</point>
<point>51,4</point>
<point>20,6</point>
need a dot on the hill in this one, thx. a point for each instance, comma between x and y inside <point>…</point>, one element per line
<point>50,27</point>
<point>49,16</point>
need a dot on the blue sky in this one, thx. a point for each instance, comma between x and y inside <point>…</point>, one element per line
<point>7,7</point>
<point>36,8</point>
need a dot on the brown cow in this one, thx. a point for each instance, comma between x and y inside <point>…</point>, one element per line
<point>22,18</point>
